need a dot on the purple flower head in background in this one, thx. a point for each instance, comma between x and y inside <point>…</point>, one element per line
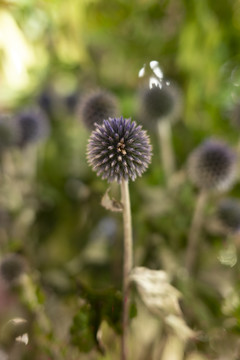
<point>229,213</point>
<point>32,126</point>
<point>160,102</point>
<point>96,107</point>
<point>212,165</point>
<point>11,267</point>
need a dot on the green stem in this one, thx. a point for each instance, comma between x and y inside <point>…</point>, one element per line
<point>127,264</point>
<point>194,233</point>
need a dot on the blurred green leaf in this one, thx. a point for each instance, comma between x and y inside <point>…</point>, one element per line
<point>82,334</point>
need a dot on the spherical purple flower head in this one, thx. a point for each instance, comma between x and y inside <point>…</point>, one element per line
<point>160,102</point>
<point>11,267</point>
<point>228,213</point>
<point>96,107</point>
<point>32,126</point>
<point>119,149</point>
<point>212,166</point>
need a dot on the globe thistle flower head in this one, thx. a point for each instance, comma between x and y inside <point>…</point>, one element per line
<point>229,214</point>
<point>32,126</point>
<point>119,149</point>
<point>160,101</point>
<point>12,267</point>
<point>96,107</point>
<point>212,166</point>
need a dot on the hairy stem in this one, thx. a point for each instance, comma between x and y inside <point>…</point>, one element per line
<point>194,232</point>
<point>127,263</point>
<point>166,149</point>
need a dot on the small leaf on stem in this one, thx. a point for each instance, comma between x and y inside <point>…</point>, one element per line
<point>110,203</point>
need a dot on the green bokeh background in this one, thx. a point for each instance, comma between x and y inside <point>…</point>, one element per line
<point>50,198</point>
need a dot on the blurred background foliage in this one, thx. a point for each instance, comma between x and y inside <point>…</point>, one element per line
<point>52,53</point>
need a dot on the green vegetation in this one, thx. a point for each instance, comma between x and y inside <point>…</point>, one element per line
<point>69,292</point>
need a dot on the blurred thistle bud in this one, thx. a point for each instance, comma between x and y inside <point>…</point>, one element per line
<point>228,213</point>
<point>96,107</point>
<point>119,149</point>
<point>46,100</point>
<point>71,101</point>
<point>212,166</point>
<point>12,267</point>
<point>161,101</point>
<point>32,126</point>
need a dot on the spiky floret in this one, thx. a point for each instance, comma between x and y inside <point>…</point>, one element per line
<point>32,126</point>
<point>228,213</point>
<point>119,149</point>
<point>160,102</point>
<point>96,107</point>
<point>11,267</point>
<point>212,165</point>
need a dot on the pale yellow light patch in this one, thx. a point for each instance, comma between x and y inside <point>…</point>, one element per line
<point>17,54</point>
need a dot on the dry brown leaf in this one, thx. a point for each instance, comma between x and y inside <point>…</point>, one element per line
<point>162,299</point>
<point>110,203</point>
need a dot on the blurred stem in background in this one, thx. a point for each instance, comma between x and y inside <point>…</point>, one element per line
<point>194,232</point>
<point>166,149</point>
